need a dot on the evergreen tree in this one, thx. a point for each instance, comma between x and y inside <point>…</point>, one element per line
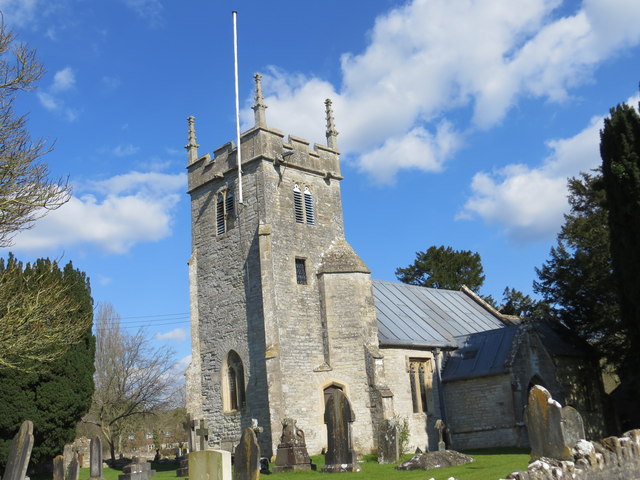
<point>58,393</point>
<point>577,280</point>
<point>620,152</point>
<point>514,302</point>
<point>441,267</point>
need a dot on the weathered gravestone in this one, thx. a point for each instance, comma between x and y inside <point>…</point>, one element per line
<point>246,464</point>
<point>210,465</point>
<point>292,452</point>
<point>137,470</point>
<point>73,470</point>
<point>338,416</point>
<point>19,453</point>
<point>95,458</point>
<point>58,468</point>
<point>440,426</point>
<point>388,442</point>
<point>551,428</point>
<point>67,453</point>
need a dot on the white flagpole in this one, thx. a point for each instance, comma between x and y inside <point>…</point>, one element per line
<point>235,64</point>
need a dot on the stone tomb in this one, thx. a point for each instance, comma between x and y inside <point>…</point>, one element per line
<point>210,465</point>
<point>246,464</point>
<point>388,443</point>
<point>338,416</point>
<point>292,452</point>
<point>553,430</point>
<point>19,453</point>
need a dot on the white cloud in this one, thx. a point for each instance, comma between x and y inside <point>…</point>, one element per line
<point>430,63</point>
<point>113,214</point>
<point>177,334</point>
<point>528,203</point>
<point>19,12</point>
<point>181,365</point>
<point>63,80</point>
<point>125,150</point>
<point>150,10</point>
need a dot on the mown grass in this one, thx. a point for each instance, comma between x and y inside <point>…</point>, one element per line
<point>489,464</point>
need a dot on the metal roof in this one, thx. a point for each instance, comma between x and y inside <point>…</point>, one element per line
<point>480,354</point>
<point>413,316</point>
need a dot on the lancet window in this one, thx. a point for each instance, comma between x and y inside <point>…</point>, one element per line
<point>421,380</point>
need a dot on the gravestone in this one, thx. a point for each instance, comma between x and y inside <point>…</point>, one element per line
<point>246,464</point>
<point>572,426</point>
<point>202,435</point>
<point>440,426</point>
<point>80,459</point>
<point>73,470</point>
<point>19,453</point>
<point>388,442</point>
<point>95,458</point>
<point>210,465</point>
<point>338,416</point>
<point>58,468</point>
<point>67,453</point>
<point>292,452</point>
<point>137,470</point>
<point>544,421</point>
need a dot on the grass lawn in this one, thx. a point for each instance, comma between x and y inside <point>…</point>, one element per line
<point>489,464</point>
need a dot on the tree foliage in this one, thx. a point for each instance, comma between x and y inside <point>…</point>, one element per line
<point>577,280</point>
<point>444,267</point>
<point>26,193</point>
<point>132,379</point>
<point>35,306</point>
<point>620,152</point>
<point>58,394</point>
<point>514,302</point>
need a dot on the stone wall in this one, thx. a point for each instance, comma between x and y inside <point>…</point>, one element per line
<point>484,412</point>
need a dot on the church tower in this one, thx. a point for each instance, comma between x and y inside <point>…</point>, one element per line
<point>282,307</point>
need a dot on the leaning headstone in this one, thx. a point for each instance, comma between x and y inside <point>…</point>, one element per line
<point>137,470</point>
<point>338,416</point>
<point>58,468</point>
<point>20,453</point>
<point>572,426</point>
<point>95,458</point>
<point>210,465</point>
<point>73,470</point>
<point>292,452</point>
<point>543,418</point>
<point>388,444</point>
<point>246,464</point>
<point>440,426</point>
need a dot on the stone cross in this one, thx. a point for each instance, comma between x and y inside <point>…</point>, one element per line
<point>203,434</point>
<point>58,468</point>
<point>338,416</point>
<point>388,442</point>
<point>20,453</point>
<point>246,465</point>
<point>210,465</point>
<point>95,458</point>
<point>440,426</point>
<point>544,418</point>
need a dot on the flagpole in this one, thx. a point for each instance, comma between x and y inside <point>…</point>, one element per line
<point>235,65</point>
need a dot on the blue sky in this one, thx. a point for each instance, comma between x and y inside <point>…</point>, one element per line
<point>459,120</point>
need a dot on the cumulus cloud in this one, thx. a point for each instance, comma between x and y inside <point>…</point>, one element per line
<point>113,214</point>
<point>528,203</point>
<point>19,12</point>
<point>50,98</point>
<point>63,80</point>
<point>460,65</point>
<point>177,334</point>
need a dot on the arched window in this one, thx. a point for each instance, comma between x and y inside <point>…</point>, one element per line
<point>297,204</point>
<point>234,392</point>
<point>308,207</point>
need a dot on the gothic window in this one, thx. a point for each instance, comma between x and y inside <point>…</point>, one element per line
<point>308,207</point>
<point>225,206</point>
<point>234,393</point>
<point>297,204</point>
<point>420,379</point>
<point>301,271</point>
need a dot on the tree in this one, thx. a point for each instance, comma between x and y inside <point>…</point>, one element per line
<point>26,193</point>
<point>514,302</point>
<point>577,280</point>
<point>441,267</point>
<point>132,378</point>
<point>58,394</point>
<point>35,307</point>
<point>620,152</point>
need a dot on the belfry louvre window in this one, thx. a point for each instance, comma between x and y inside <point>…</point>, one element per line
<point>224,211</point>
<point>301,271</point>
<point>297,204</point>
<point>420,378</point>
<point>308,207</point>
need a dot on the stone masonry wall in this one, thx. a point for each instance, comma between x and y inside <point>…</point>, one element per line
<point>484,412</point>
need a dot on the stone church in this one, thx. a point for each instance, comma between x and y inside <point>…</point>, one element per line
<point>284,311</point>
